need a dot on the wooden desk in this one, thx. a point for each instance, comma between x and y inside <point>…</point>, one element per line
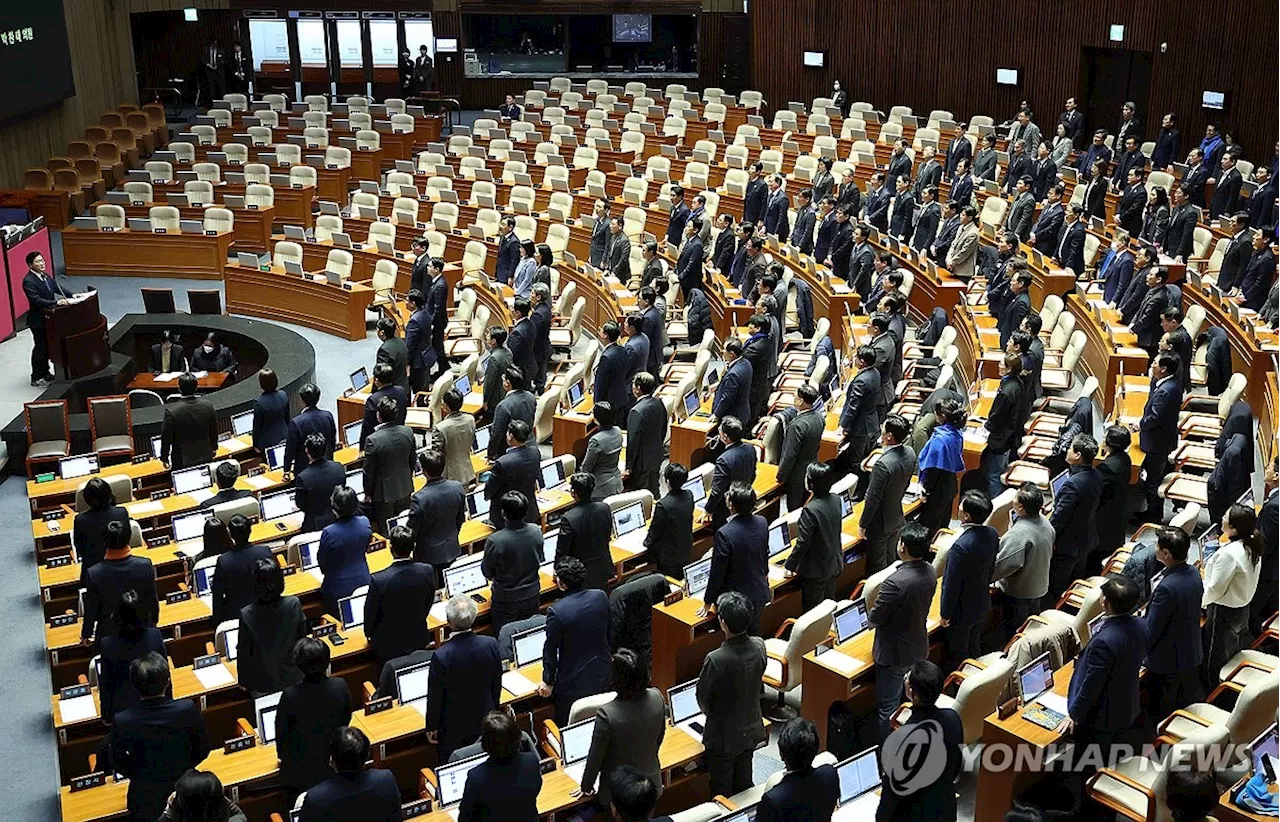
<point>126,253</point>
<point>211,381</point>
<point>310,301</point>
<point>1229,811</point>
<point>252,225</point>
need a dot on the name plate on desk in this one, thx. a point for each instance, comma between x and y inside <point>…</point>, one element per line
<point>211,234</point>
<point>256,471</point>
<point>59,562</point>
<point>295,185</point>
<point>62,620</point>
<point>106,229</point>
<point>240,743</point>
<point>48,476</point>
<point>156,542</point>
<point>159,231</point>
<point>207,661</point>
<point>289,570</point>
<point>418,807</point>
<point>141,458</point>
<point>252,206</point>
<point>377,706</point>
<point>224,436</point>
<point>177,596</point>
<point>347,286</point>
<point>54,515</point>
<point>74,691</point>
<point>324,629</point>
<point>89,780</point>
<point>156,496</point>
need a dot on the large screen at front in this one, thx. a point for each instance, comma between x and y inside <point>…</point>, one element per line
<point>35,60</point>
<point>632,28</point>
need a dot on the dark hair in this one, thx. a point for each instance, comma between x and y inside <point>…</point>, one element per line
<point>97,494</point>
<point>387,326</point>
<point>344,502</point>
<point>1175,541</point>
<point>926,681</point>
<point>519,430</point>
<point>1169,362</point>
<point>117,535</point>
<point>819,476</point>
<point>633,794</point>
<point>896,426</point>
<point>1086,446</point>
<point>571,572</point>
<point>226,474</point>
<point>149,675</point>
<point>866,354</point>
<point>31,257</point>
<point>544,254</point>
<point>515,376</point>
<point>310,394</point>
<point>432,462</point>
<point>1030,498</point>
<point>1013,362</point>
<point>268,581</point>
<point>646,382</point>
<point>733,346</point>
<point>1034,322</point>
<point>735,610</point>
<point>198,797</point>
<point>1191,795</point>
<point>879,321</point>
<point>349,750</point>
<point>1021,339</point>
<point>498,334</point>
<point>798,743</point>
<point>603,413</point>
<point>1244,521</point>
<point>217,539</point>
<point>499,735</point>
<point>127,613</point>
<point>976,504</point>
<point>414,296</point>
<point>311,656</point>
<point>1120,593</point>
<point>732,428</point>
<point>268,381</point>
<point>742,497</point>
<point>521,306</point>
<point>1117,438</point>
<point>401,539</point>
<point>239,528</point>
<point>915,538</point>
<point>676,475</point>
<point>384,374</point>
<point>388,409</point>
<point>630,671</point>
<point>582,484</point>
<point>452,399</point>
<point>514,505</point>
<point>187,384</point>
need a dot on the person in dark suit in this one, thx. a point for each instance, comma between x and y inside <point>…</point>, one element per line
<point>818,556</point>
<point>1158,430</point>
<point>1129,158</point>
<point>1074,518</point>
<point>511,558</point>
<point>270,412</point>
<point>540,317</point>
<point>352,792</point>
<point>737,462</point>
<point>1196,176</point>
<point>902,211</point>
<point>167,355</point>
<point>849,196</point>
<point>1235,259</point>
<point>966,581</point>
<point>1116,270</point>
<point>728,693</point>
<point>189,433</point>
<point>886,351</point>
<point>108,580</point>
<point>315,484</point>
<point>400,595</point>
<point>652,263</point>
<point>1019,306</point>
<point>899,614</point>
<point>922,686</point>
<point>498,361</point>
<point>521,339</point>
<point>1232,475</point>
<point>575,656</point>
<point>1179,241</point>
<point>840,255</point>
<point>516,470</point>
<point>308,718</point>
<point>926,221</point>
<point>859,420</point>
<point>465,680</point>
<point>225,475</point>
<point>213,356</point>
<point>1003,423</point>
<point>824,182</point>
<point>740,555</point>
<point>1113,501</point>
<point>1048,225</point>
<point>1168,144</point>
<point>1172,621</point>
<point>653,328</point>
<point>959,149</point>
<point>669,540</point>
<point>599,233</point>
<point>612,365</point>
<point>1044,172</point>
<point>270,628</point>
<point>882,514</point>
<point>384,386</point>
<point>1146,322</point>
<point>519,405</point>
<point>388,466</point>
<point>899,165</point>
<point>437,511</point>
<point>505,786</point>
<point>800,445</point>
<point>585,531</point>
<point>135,637</point>
<point>1178,339</point>
<point>876,211</point>
<point>508,251</point>
<point>1019,166</point>
<point>155,742</point>
<point>805,793</point>
<point>677,217</point>
<point>394,351</point>
<point>1132,201</point>
<point>88,529</point>
<point>962,187</point>
<point>753,201</point>
<point>733,393</point>
<point>638,346</point>
<point>806,222</point>
<point>1262,203</point>
<point>722,250</point>
<point>1226,191</point>
<point>1259,274</point>
<point>419,276</point>
<point>1095,193</point>
<point>310,420</point>
<point>343,544</point>
<point>43,293</point>
<point>628,731</point>
<point>233,582</point>
<point>420,356</point>
<point>617,260</point>
<point>646,433</point>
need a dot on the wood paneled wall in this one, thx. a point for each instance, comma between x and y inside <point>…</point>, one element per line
<point>102,64</point>
<point>931,55</point>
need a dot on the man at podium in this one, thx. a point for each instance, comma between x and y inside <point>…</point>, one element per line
<point>44,293</point>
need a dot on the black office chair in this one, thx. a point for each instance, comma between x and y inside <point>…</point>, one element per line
<point>158,301</point>
<point>205,301</point>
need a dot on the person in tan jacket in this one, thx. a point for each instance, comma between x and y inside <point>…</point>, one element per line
<point>456,432</point>
<point>963,254</point>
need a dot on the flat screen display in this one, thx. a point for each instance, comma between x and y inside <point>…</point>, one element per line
<point>632,28</point>
<point>35,56</point>
<point>1006,76</point>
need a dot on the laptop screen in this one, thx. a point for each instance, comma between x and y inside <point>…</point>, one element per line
<point>477,505</point>
<point>400,519</point>
<point>275,506</point>
<point>351,434</point>
<point>628,519</point>
<point>552,474</point>
<point>684,702</point>
<point>858,774</point>
<point>73,467</point>
<point>1035,677</point>
<point>155,447</point>
<point>191,479</point>
<point>307,554</point>
<point>691,403</point>
<point>275,457</point>
<point>696,577</point>
<point>203,578</point>
<point>355,480</point>
<point>482,438</point>
<point>779,539</point>
<point>1095,624</point>
<point>452,779</point>
<point>549,541</point>
<point>527,646</point>
<point>851,620</point>
<point>576,739</point>
<point>1056,484</point>
<point>411,683</point>
<point>462,385</point>
<point>575,393</point>
<point>464,579</point>
<point>352,611</point>
<point>747,814</point>
<point>359,379</point>
<point>190,526</point>
<point>846,505</point>
<point>242,423</point>
<point>231,639</point>
<point>264,710</point>
<point>698,488</point>
<point>1267,747</point>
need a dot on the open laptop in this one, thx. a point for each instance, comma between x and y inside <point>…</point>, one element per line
<point>1055,484</point>
<point>685,713</point>
<point>850,620</point>
<point>275,506</point>
<point>355,480</point>
<point>398,520</point>
<point>351,610</point>
<point>190,528</point>
<point>275,457</point>
<point>480,443</point>
<point>575,741</point>
<point>549,541</point>
<point>359,378</point>
<point>1035,682</point>
<point>526,646</point>
<point>462,385</point>
<point>189,480</point>
<point>202,579</point>
<point>264,713</point>
<point>81,466</point>
<point>411,686</point>
<point>859,776</point>
<point>575,394</point>
<point>451,780</point>
<point>351,433</point>
<point>309,557</point>
<point>551,474</point>
<point>779,539</point>
<point>1266,753</point>
<point>746,814</point>
<point>242,423</point>
<point>628,527</point>
<point>692,402</point>
<point>696,576</point>
<point>465,579</point>
<point>698,487</point>
<point>1210,541</point>
<point>231,639</point>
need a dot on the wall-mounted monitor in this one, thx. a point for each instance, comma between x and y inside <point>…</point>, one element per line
<point>632,28</point>
<point>1006,76</point>
<point>815,59</point>
<point>1216,100</point>
<point>446,45</point>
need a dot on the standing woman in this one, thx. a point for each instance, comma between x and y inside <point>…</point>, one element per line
<point>604,449</point>
<point>1155,225</point>
<point>544,259</point>
<point>941,464</point>
<point>505,786</point>
<point>840,98</point>
<point>343,545</point>
<point>270,627</point>
<point>1061,151</point>
<point>133,640</point>
<point>525,269</point>
<point>270,412</point>
<point>89,528</point>
<point>628,730</point>
<point>1230,581</point>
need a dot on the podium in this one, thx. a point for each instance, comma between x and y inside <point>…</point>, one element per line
<point>77,335</point>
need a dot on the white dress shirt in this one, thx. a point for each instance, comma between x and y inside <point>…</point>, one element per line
<point>1230,577</point>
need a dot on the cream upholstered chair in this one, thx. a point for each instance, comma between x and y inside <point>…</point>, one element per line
<point>247,507</point>
<point>259,135</point>
<point>209,172</point>
<point>402,124</point>
<point>219,219</point>
<point>783,668</point>
<point>183,151</point>
<point>277,102</point>
<point>268,117</point>
<point>447,212</point>
<point>1135,787</point>
<point>977,697</point>
<point>384,282</point>
<point>159,171</point>
<point>288,154</point>
<point>316,102</point>
<point>337,157</point>
<point>544,414</point>
<point>358,103</point>
<point>326,226</point>
<point>404,211</point>
<point>302,177</point>
<point>368,140</point>
<point>198,192</point>
<point>316,137</point>
<point>617,502</point>
<point>111,427</point>
<point>339,262</point>
<point>167,218</point>
<point>262,196</point>
<point>205,135</point>
<point>121,488</point>
<point>286,251</point>
<point>1253,712</point>
<point>109,216</point>
<point>382,232</point>
<point>237,153</point>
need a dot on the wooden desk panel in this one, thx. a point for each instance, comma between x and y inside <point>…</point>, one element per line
<point>252,226</point>
<point>127,253</point>
<point>275,295</point>
<point>209,382</point>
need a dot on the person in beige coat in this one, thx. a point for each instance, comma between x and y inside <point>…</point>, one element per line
<point>457,431</point>
<point>963,255</point>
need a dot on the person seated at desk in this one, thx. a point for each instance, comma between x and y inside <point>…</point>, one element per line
<point>585,531</point>
<point>464,682</point>
<point>270,412</point>
<point>393,352</point>
<point>189,433</point>
<point>134,639</point>
<point>315,484</point>
<point>88,529</point>
<point>155,742</point>
<point>107,581</point>
<point>437,511</point>
<point>308,717</point>
<point>389,455</point>
<point>199,795</point>
<point>343,548</point>
<point>736,463</point>
<point>270,628</point>
<point>575,656</point>
<point>400,596</point>
<point>310,420</point>
<point>225,475</point>
<point>900,616</point>
<point>740,558</point>
<point>233,579</point>
<point>167,355</point>
<point>384,385</point>
<point>509,110</point>
<point>628,732</point>
<point>505,786</point>
<point>511,558</point>
<point>352,792</point>
<point>516,470</point>
<point>728,693</point>
<point>518,405</point>
<point>213,357</point>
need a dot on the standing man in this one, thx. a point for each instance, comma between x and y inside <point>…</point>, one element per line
<point>1196,176</point>
<point>44,293</point>
<point>877,208</point>
<point>464,681</point>
<point>775,209</point>
<point>457,432</point>
<point>189,433</point>
<point>637,347</point>
<point>576,659</point>
<point>966,582</point>
<point>1226,191</point>
<point>540,318</point>
<point>310,420</point>
<point>729,695</point>
<point>800,445</point>
<point>724,247</point>
<point>1044,173</point>
<point>1132,202</point>
<point>617,260</point>
<point>753,201</point>
<point>508,251</point>
<point>654,328</point>
<point>886,350</point>
<point>1070,249</point>
<point>818,555</point>
<point>958,150</point>
<point>1173,624</point>
<point>438,308</point>
<point>1074,520</point>
<point>736,463</point>
<point>515,470</point>
<point>899,615</point>
<point>689,263</point>
<point>839,255</point>
<point>826,221</point>
<point>1022,564</point>
<point>1158,430</point>
<point>384,387</point>
<point>858,418</point>
<point>612,367</point>
<point>400,596</point>
<point>522,338</point>
<point>961,257</point>
<point>1018,219</point>
<point>740,554</point>
<point>899,165</point>
<point>419,352</point>
<point>517,406</point>
<point>806,220</point>
<point>497,362</point>
<point>314,485</point>
<point>585,530</point>
<point>394,351</point>
<point>1026,131</point>
<point>927,220</point>
<point>882,515</point>
<point>424,71</point>
<point>903,211</point>
<point>437,511</point>
<point>1019,166</point>
<point>1130,158</point>
<point>599,233</point>
<point>388,466</point>
<point>733,393</point>
<point>1048,225</point>
<point>646,433</point>
<point>511,558</point>
<point>677,217</point>
<point>1073,121</point>
<point>928,174</point>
